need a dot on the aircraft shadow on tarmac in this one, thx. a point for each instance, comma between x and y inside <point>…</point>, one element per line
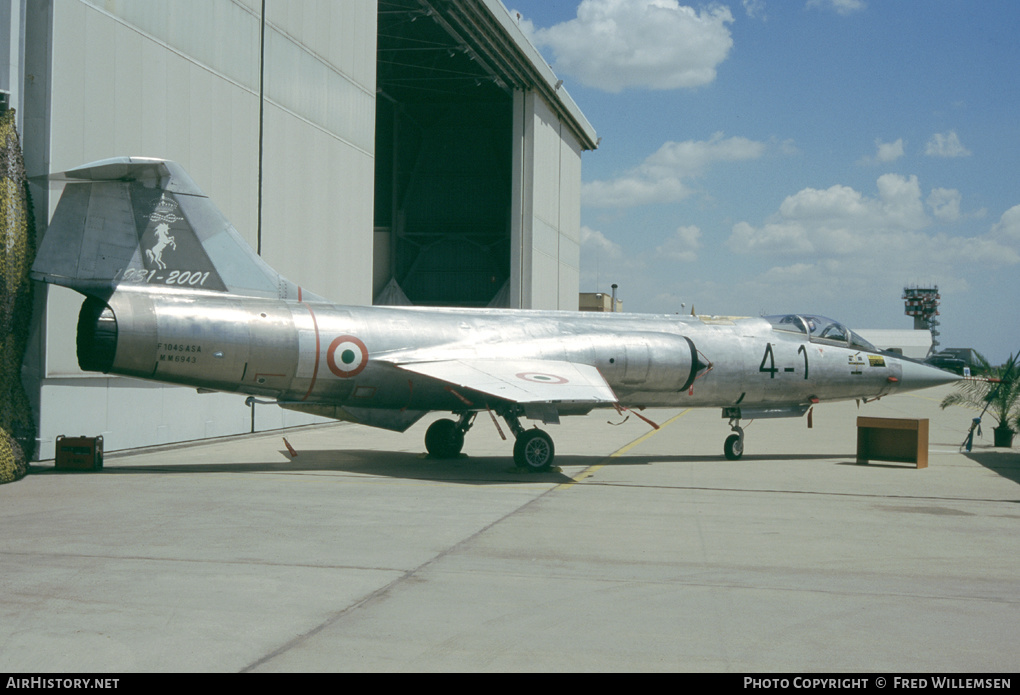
<point>468,470</point>
<point>1005,462</point>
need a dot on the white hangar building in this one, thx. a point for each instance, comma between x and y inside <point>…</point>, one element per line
<point>387,151</point>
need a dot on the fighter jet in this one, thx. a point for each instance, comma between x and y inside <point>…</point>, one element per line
<point>174,294</point>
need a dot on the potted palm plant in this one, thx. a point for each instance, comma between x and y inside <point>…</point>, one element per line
<point>998,395</point>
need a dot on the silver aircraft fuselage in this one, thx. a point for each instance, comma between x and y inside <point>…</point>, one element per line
<point>294,352</point>
<point>173,294</point>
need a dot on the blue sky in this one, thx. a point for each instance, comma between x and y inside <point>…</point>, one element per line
<point>805,155</point>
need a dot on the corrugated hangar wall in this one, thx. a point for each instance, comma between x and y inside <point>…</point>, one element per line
<point>547,211</point>
<point>181,79</point>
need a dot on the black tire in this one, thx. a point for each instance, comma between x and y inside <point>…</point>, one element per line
<point>734,447</point>
<point>444,440</point>
<point>534,450</point>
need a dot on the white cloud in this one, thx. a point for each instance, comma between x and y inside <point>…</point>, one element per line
<point>526,25</point>
<point>787,147</point>
<point>901,202</point>
<point>661,177</point>
<point>1007,229</point>
<point>843,7</point>
<point>945,204</point>
<point>848,252</point>
<point>946,145</point>
<point>691,157</point>
<point>632,190</point>
<point>651,44</point>
<point>796,272</point>
<point>597,242</point>
<point>888,151</point>
<point>836,221</point>
<point>604,261</point>
<point>755,9</point>
<point>683,245</point>
<point>870,237</point>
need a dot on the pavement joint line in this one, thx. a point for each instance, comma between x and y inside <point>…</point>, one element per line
<point>340,614</point>
<point>864,495</point>
<point>367,599</point>
<point>194,560</point>
<point>593,469</point>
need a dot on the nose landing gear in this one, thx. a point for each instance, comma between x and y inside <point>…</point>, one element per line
<point>733,449</point>
<point>533,449</point>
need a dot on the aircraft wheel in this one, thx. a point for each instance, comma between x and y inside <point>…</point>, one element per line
<point>734,447</point>
<point>443,439</point>
<point>534,450</point>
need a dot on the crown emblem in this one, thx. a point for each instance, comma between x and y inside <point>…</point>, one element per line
<point>165,211</point>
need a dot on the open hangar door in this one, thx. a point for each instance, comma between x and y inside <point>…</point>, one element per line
<point>478,162</point>
<point>444,145</point>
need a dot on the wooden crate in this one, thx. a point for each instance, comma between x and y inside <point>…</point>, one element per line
<point>902,440</point>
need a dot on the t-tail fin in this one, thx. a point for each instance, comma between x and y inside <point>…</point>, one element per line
<point>139,222</point>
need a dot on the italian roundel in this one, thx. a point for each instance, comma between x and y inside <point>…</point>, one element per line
<point>542,378</point>
<point>346,356</point>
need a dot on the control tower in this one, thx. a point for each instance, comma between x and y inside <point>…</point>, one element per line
<point>923,304</point>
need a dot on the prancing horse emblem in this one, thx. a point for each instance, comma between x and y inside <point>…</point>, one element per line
<point>163,239</point>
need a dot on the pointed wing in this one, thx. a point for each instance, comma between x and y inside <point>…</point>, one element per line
<point>522,381</point>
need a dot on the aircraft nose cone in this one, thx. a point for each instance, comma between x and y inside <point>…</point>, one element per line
<point>922,376</point>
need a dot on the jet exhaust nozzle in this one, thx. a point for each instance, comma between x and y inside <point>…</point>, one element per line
<point>97,336</point>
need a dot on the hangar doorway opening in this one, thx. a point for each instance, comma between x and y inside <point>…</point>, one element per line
<point>443,164</point>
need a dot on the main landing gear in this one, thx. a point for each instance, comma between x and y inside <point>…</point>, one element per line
<point>445,438</point>
<point>533,449</point>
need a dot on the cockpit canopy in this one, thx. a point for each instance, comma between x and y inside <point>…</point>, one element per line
<point>820,329</point>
